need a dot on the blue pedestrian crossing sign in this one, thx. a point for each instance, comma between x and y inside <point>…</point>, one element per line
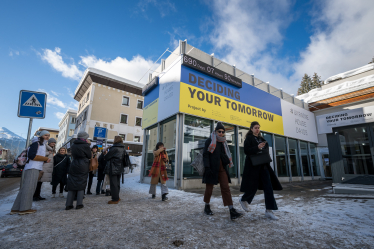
<point>32,104</point>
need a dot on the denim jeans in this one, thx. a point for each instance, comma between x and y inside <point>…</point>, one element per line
<point>270,202</point>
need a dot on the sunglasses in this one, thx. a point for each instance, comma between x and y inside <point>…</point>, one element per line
<point>223,132</point>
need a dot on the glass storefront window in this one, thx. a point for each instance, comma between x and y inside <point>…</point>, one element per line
<point>196,132</point>
<point>231,142</point>
<point>355,149</point>
<point>168,136</point>
<point>315,163</point>
<point>305,158</point>
<point>151,141</point>
<point>280,154</point>
<point>294,157</point>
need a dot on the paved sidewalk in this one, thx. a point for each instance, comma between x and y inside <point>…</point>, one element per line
<point>306,221</point>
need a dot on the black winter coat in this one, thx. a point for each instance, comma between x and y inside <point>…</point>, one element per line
<point>213,161</point>
<point>80,166</point>
<point>115,160</point>
<point>251,174</point>
<point>101,168</point>
<point>61,165</point>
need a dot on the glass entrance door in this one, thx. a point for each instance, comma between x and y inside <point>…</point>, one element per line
<point>356,145</point>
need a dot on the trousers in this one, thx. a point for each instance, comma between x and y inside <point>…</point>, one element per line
<point>224,185</point>
<point>24,197</point>
<point>115,186</point>
<point>54,187</point>
<point>38,189</point>
<point>71,196</point>
<point>90,179</point>
<point>270,202</point>
<point>164,189</point>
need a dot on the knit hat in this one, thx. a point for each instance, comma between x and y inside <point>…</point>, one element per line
<point>83,135</point>
<point>220,126</point>
<point>42,133</point>
<point>52,140</point>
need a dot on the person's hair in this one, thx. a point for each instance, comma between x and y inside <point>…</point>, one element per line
<point>117,139</point>
<point>62,148</point>
<point>96,147</point>
<point>250,132</point>
<point>41,140</point>
<point>158,145</point>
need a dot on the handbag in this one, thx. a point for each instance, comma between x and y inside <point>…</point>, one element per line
<point>260,158</point>
<point>168,166</point>
<point>198,163</point>
<point>94,164</point>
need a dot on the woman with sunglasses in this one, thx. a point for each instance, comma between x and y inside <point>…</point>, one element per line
<point>217,159</point>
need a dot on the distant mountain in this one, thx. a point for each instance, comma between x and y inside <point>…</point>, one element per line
<point>10,140</point>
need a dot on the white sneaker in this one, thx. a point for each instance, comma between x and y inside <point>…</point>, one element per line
<point>244,205</point>
<point>61,195</point>
<point>269,214</point>
<point>53,195</point>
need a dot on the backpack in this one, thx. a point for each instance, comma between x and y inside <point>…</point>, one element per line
<point>21,160</point>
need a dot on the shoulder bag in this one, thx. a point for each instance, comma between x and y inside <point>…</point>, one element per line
<point>261,157</point>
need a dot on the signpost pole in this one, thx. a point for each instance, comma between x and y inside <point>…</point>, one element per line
<point>27,144</point>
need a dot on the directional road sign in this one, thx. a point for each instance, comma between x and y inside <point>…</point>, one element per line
<point>32,104</point>
<point>100,132</point>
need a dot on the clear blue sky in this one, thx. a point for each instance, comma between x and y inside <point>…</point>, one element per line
<point>46,45</point>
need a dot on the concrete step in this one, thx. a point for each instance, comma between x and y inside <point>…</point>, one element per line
<point>357,189</point>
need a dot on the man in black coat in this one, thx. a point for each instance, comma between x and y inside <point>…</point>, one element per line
<point>217,157</point>
<point>78,171</point>
<point>115,159</point>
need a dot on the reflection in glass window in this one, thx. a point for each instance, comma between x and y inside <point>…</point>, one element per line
<point>138,121</point>
<point>123,119</point>
<point>314,158</point>
<point>168,138</point>
<point>140,104</point>
<point>281,153</point>
<point>294,157</point>
<point>230,138</point>
<point>305,158</point>
<point>137,139</point>
<point>151,138</point>
<point>125,101</point>
<point>196,132</point>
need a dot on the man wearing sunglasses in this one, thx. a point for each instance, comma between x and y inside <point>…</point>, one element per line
<point>217,159</point>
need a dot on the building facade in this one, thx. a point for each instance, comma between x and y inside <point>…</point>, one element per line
<point>52,131</point>
<point>194,90</point>
<point>344,110</point>
<point>67,127</point>
<point>106,100</point>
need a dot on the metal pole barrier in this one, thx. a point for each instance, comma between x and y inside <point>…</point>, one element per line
<point>27,144</point>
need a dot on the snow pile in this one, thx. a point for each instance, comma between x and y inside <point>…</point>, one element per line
<point>350,73</point>
<point>343,88</point>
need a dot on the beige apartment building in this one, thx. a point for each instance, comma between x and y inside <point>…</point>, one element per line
<point>67,127</point>
<point>112,102</point>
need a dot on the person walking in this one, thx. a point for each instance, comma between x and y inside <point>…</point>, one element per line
<point>100,173</point>
<point>36,157</point>
<point>61,164</point>
<point>78,171</point>
<point>158,172</point>
<point>217,157</point>
<point>115,167</point>
<point>91,174</point>
<point>260,176</point>
<point>47,171</point>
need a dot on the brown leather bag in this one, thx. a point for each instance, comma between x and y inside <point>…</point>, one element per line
<point>94,164</point>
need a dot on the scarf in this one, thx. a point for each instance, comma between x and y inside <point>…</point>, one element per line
<point>158,163</point>
<point>213,144</point>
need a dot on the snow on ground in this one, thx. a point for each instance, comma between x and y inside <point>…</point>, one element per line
<point>140,222</point>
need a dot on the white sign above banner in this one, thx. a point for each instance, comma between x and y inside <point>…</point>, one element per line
<point>298,123</point>
<point>326,122</point>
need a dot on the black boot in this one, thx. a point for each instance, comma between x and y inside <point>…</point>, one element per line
<point>207,210</point>
<point>234,215</point>
<point>102,192</point>
<point>107,193</point>
<point>153,196</point>
<point>164,198</point>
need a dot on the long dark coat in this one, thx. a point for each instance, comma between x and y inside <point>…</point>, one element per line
<point>80,166</point>
<point>251,174</point>
<point>60,171</point>
<point>101,168</point>
<point>115,160</point>
<point>213,161</point>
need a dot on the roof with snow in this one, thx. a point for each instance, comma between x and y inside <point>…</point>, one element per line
<point>340,89</point>
<point>108,79</point>
<point>350,73</point>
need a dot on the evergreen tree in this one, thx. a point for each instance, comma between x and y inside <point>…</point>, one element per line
<point>372,61</point>
<point>316,81</point>
<point>304,85</point>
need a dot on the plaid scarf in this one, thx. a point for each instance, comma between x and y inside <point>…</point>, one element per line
<point>213,144</point>
<point>158,163</point>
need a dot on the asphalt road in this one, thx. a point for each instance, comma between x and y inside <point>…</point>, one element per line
<point>8,184</point>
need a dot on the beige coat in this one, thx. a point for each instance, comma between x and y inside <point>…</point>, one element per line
<point>48,167</point>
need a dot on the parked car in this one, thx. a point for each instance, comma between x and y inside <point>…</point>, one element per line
<point>9,170</point>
